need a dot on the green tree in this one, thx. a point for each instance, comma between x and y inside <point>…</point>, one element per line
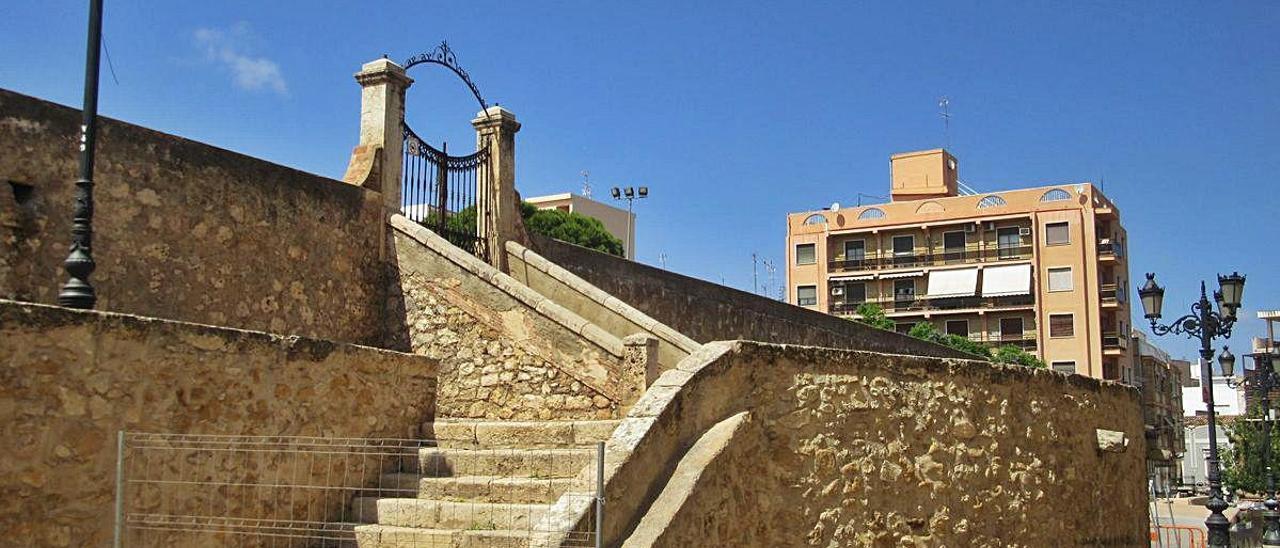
<point>872,315</point>
<point>1243,467</point>
<point>1013,355</point>
<point>574,228</point>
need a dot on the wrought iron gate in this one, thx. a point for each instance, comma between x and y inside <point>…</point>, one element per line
<point>441,192</point>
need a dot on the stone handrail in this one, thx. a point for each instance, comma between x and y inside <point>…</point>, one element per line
<point>595,303</point>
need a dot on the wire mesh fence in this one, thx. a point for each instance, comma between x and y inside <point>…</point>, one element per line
<point>292,491</point>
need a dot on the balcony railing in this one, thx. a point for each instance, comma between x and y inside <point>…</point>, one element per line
<point>1110,250</point>
<point>886,260</point>
<point>1111,294</point>
<point>1114,341</point>
<point>916,303</point>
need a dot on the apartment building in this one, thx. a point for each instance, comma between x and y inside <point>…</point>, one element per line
<point>1041,268</point>
<point>1159,379</point>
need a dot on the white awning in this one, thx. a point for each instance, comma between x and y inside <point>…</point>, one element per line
<point>894,275</point>
<point>857,278</point>
<point>1002,281</point>
<point>953,283</point>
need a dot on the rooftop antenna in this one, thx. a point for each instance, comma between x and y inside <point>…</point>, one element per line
<point>945,104</point>
<point>586,183</point>
<point>662,259</point>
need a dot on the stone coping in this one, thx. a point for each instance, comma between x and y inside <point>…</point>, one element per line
<point>501,281</point>
<point>44,315</point>
<point>599,296</point>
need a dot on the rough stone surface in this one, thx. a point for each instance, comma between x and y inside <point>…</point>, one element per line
<point>707,312</point>
<point>69,380</point>
<point>187,231</point>
<point>859,449</point>
<point>499,357</point>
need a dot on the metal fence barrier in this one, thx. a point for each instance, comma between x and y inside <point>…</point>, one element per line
<point>295,491</point>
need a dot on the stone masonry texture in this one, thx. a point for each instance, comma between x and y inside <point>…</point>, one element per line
<point>847,448</point>
<point>69,380</point>
<point>187,231</point>
<point>710,312</point>
<point>499,359</point>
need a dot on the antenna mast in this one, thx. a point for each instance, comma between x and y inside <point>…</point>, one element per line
<point>945,104</point>
<point>586,183</point>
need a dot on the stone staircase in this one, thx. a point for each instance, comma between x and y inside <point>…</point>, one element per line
<point>484,484</point>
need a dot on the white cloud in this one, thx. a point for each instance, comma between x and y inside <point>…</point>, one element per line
<point>230,49</point>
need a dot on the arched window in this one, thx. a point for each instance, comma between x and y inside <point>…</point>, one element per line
<point>871,213</point>
<point>1055,195</point>
<point>815,219</point>
<point>992,201</point>
<point>930,207</point>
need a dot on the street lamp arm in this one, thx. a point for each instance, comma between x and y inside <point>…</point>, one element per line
<point>1202,319</point>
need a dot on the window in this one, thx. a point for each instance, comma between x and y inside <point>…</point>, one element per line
<point>1062,325</point>
<point>904,290</point>
<point>1055,195</point>
<point>1068,367</point>
<point>953,246</point>
<point>1056,234</point>
<point>806,253</point>
<point>958,327</point>
<point>991,201</point>
<point>1060,279</point>
<point>807,295</point>
<point>1008,240</point>
<point>815,219</point>
<point>904,327</point>
<point>855,250</point>
<point>855,292</point>
<point>872,213</point>
<point>1010,329</point>
<point>904,249</point>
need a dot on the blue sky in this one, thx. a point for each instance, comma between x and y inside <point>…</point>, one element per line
<point>735,114</point>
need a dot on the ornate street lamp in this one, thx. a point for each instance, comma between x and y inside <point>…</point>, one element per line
<point>78,292</point>
<point>1205,324</point>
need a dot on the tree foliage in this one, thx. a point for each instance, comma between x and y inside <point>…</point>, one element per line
<point>574,228</point>
<point>871,314</point>
<point>1243,466</point>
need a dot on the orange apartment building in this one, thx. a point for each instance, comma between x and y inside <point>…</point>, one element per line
<point>1041,268</point>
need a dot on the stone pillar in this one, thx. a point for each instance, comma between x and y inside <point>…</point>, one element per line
<point>639,366</point>
<point>377,161</point>
<point>498,207</point>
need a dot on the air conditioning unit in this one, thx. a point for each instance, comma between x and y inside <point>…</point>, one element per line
<point>837,290</point>
<point>989,225</point>
<point>1024,231</point>
<point>970,228</point>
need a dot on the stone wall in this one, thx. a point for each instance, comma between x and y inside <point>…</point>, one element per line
<point>847,448</point>
<point>710,312</point>
<point>505,351</point>
<point>69,380</point>
<point>187,231</point>
<point>584,299</point>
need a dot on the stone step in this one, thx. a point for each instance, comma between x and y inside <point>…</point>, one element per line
<point>478,488</point>
<point>389,536</point>
<point>518,434</point>
<point>509,463</point>
<point>446,514</point>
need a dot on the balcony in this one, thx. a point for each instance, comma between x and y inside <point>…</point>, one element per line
<point>913,303</point>
<point>888,260</point>
<point>1114,343</point>
<point>1025,341</point>
<point>1110,295</point>
<point>1110,250</point>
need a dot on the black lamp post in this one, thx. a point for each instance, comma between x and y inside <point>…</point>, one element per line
<point>78,292</point>
<point>1266,377</point>
<point>1205,324</point>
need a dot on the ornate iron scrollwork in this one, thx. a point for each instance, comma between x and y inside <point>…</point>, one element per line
<point>442,55</point>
